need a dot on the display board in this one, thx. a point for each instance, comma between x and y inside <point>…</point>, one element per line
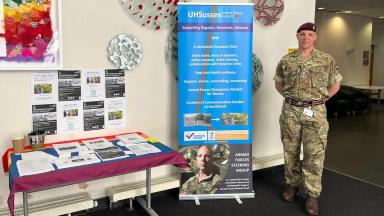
<point>215,99</point>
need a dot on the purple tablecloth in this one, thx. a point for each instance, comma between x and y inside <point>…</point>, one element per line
<point>92,172</point>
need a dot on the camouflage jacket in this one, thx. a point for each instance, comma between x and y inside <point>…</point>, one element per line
<point>309,79</point>
<point>207,186</point>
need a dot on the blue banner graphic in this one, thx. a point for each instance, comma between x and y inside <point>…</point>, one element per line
<point>215,97</point>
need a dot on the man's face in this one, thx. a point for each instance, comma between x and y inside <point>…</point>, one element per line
<point>204,159</point>
<point>306,39</point>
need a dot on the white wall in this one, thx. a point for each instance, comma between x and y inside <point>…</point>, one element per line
<point>338,33</point>
<point>378,65</point>
<point>151,91</point>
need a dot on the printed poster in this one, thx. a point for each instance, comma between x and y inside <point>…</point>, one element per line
<point>44,87</point>
<point>70,117</point>
<point>44,118</point>
<point>93,85</point>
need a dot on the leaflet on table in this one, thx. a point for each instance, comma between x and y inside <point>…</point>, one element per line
<point>67,149</point>
<point>70,116</point>
<point>44,118</point>
<point>93,85</point>
<point>132,138</point>
<point>76,161</point>
<point>116,112</point>
<point>69,85</point>
<point>44,87</point>
<point>94,115</point>
<point>32,167</point>
<point>114,83</point>
<point>142,148</point>
<point>37,155</point>
<point>110,153</point>
<point>99,143</point>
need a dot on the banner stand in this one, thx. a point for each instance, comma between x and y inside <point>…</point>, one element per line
<point>215,100</point>
<point>199,197</point>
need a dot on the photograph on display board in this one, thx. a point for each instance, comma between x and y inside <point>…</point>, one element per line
<point>30,34</point>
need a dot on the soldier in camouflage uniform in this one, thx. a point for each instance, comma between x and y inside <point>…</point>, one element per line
<point>306,78</point>
<point>206,181</point>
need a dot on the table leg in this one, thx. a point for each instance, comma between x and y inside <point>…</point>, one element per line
<point>146,204</point>
<point>149,188</point>
<point>378,96</point>
<point>25,203</point>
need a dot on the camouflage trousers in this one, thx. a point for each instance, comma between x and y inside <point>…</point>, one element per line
<point>311,132</point>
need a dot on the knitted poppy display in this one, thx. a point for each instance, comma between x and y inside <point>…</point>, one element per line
<point>28,29</point>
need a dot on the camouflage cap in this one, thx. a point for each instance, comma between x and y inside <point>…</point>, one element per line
<point>307,26</point>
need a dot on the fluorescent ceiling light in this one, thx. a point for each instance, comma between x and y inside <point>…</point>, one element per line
<point>348,12</point>
<point>321,8</point>
<point>382,17</point>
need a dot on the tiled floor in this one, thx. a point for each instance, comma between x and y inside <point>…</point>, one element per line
<point>356,145</point>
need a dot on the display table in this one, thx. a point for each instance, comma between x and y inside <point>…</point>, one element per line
<point>73,175</point>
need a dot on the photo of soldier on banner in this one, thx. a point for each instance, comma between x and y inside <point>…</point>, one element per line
<point>208,166</point>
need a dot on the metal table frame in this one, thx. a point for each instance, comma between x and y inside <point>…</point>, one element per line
<point>145,203</point>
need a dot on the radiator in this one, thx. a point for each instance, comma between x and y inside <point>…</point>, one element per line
<point>131,190</point>
<point>55,206</point>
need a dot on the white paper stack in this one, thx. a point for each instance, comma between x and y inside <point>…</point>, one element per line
<point>76,161</point>
<point>132,138</point>
<point>36,156</point>
<point>142,148</point>
<point>65,150</point>
<point>35,166</point>
<point>100,143</point>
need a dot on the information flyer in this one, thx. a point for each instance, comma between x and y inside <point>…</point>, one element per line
<point>93,115</point>
<point>116,114</point>
<point>44,87</point>
<point>93,85</point>
<point>69,85</point>
<point>215,99</point>
<point>44,118</point>
<point>70,116</point>
<point>114,83</point>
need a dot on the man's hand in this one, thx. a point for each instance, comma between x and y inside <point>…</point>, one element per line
<point>333,90</point>
<point>279,87</point>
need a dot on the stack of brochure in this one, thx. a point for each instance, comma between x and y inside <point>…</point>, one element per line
<point>76,161</point>
<point>132,138</point>
<point>142,148</point>
<point>97,143</point>
<point>137,144</point>
<point>35,166</point>
<point>105,149</point>
<point>66,150</point>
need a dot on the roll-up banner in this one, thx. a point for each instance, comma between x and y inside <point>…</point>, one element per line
<point>215,99</point>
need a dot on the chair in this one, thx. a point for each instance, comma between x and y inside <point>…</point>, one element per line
<point>346,101</point>
<point>360,99</point>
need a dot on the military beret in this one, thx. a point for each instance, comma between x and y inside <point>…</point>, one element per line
<point>307,26</point>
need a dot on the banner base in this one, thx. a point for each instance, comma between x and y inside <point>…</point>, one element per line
<point>198,197</point>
